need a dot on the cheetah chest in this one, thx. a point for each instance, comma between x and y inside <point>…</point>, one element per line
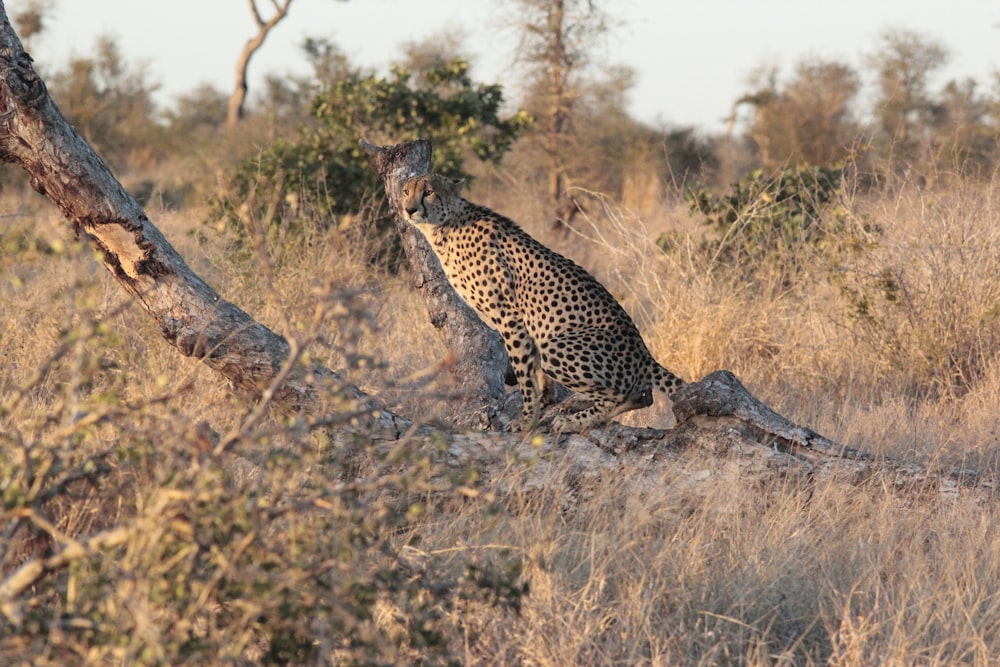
<point>475,267</point>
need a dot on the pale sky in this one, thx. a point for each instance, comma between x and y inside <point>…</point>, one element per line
<point>693,58</point>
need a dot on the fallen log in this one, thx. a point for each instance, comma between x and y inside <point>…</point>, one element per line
<point>188,313</point>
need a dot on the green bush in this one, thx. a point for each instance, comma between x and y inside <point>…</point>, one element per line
<point>767,220</point>
<point>317,178</point>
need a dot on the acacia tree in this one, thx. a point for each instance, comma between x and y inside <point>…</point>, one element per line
<point>617,155</point>
<point>966,132</point>
<point>905,108</point>
<point>110,102</point>
<point>32,19</point>
<point>421,58</point>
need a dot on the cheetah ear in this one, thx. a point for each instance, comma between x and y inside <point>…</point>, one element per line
<point>458,184</point>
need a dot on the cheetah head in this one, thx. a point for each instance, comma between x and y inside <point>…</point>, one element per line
<point>431,198</point>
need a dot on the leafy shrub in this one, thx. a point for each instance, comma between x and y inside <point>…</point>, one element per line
<point>130,536</point>
<point>322,175</point>
<point>767,220</point>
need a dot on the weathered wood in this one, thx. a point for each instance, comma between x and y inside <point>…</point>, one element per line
<point>720,394</point>
<point>189,314</point>
<point>480,360</point>
<point>733,436</point>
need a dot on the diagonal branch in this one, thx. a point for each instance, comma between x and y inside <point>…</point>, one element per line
<point>195,319</point>
<point>189,314</point>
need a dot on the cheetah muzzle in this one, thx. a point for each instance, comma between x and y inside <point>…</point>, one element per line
<point>557,321</point>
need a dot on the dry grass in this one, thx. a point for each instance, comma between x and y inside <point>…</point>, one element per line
<point>268,554</point>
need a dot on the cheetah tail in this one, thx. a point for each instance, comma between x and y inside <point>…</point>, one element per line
<point>666,381</point>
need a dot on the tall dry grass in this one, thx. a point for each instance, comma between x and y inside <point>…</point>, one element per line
<point>279,552</point>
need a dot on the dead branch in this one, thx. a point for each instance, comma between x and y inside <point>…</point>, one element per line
<point>237,99</point>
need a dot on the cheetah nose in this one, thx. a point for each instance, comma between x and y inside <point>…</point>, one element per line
<point>411,211</point>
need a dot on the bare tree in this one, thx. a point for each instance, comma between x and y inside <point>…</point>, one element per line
<point>807,120</point>
<point>431,52</point>
<point>905,109</point>
<point>32,19</point>
<point>556,39</point>
<point>237,99</point>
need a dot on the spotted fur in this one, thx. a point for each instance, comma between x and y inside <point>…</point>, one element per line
<point>556,320</point>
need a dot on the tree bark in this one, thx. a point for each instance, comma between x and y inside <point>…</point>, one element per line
<point>237,100</point>
<point>479,357</point>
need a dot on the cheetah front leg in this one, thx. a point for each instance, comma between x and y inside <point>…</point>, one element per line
<point>525,361</point>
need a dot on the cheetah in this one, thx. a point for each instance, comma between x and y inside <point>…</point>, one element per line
<point>556,320</point>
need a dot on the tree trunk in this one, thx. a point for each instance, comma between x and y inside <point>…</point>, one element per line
<point>237,100</point>
<point>479,357</point>
<point>558,112</point>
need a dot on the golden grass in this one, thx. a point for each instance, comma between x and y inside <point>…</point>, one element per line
<point>238,559</point>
